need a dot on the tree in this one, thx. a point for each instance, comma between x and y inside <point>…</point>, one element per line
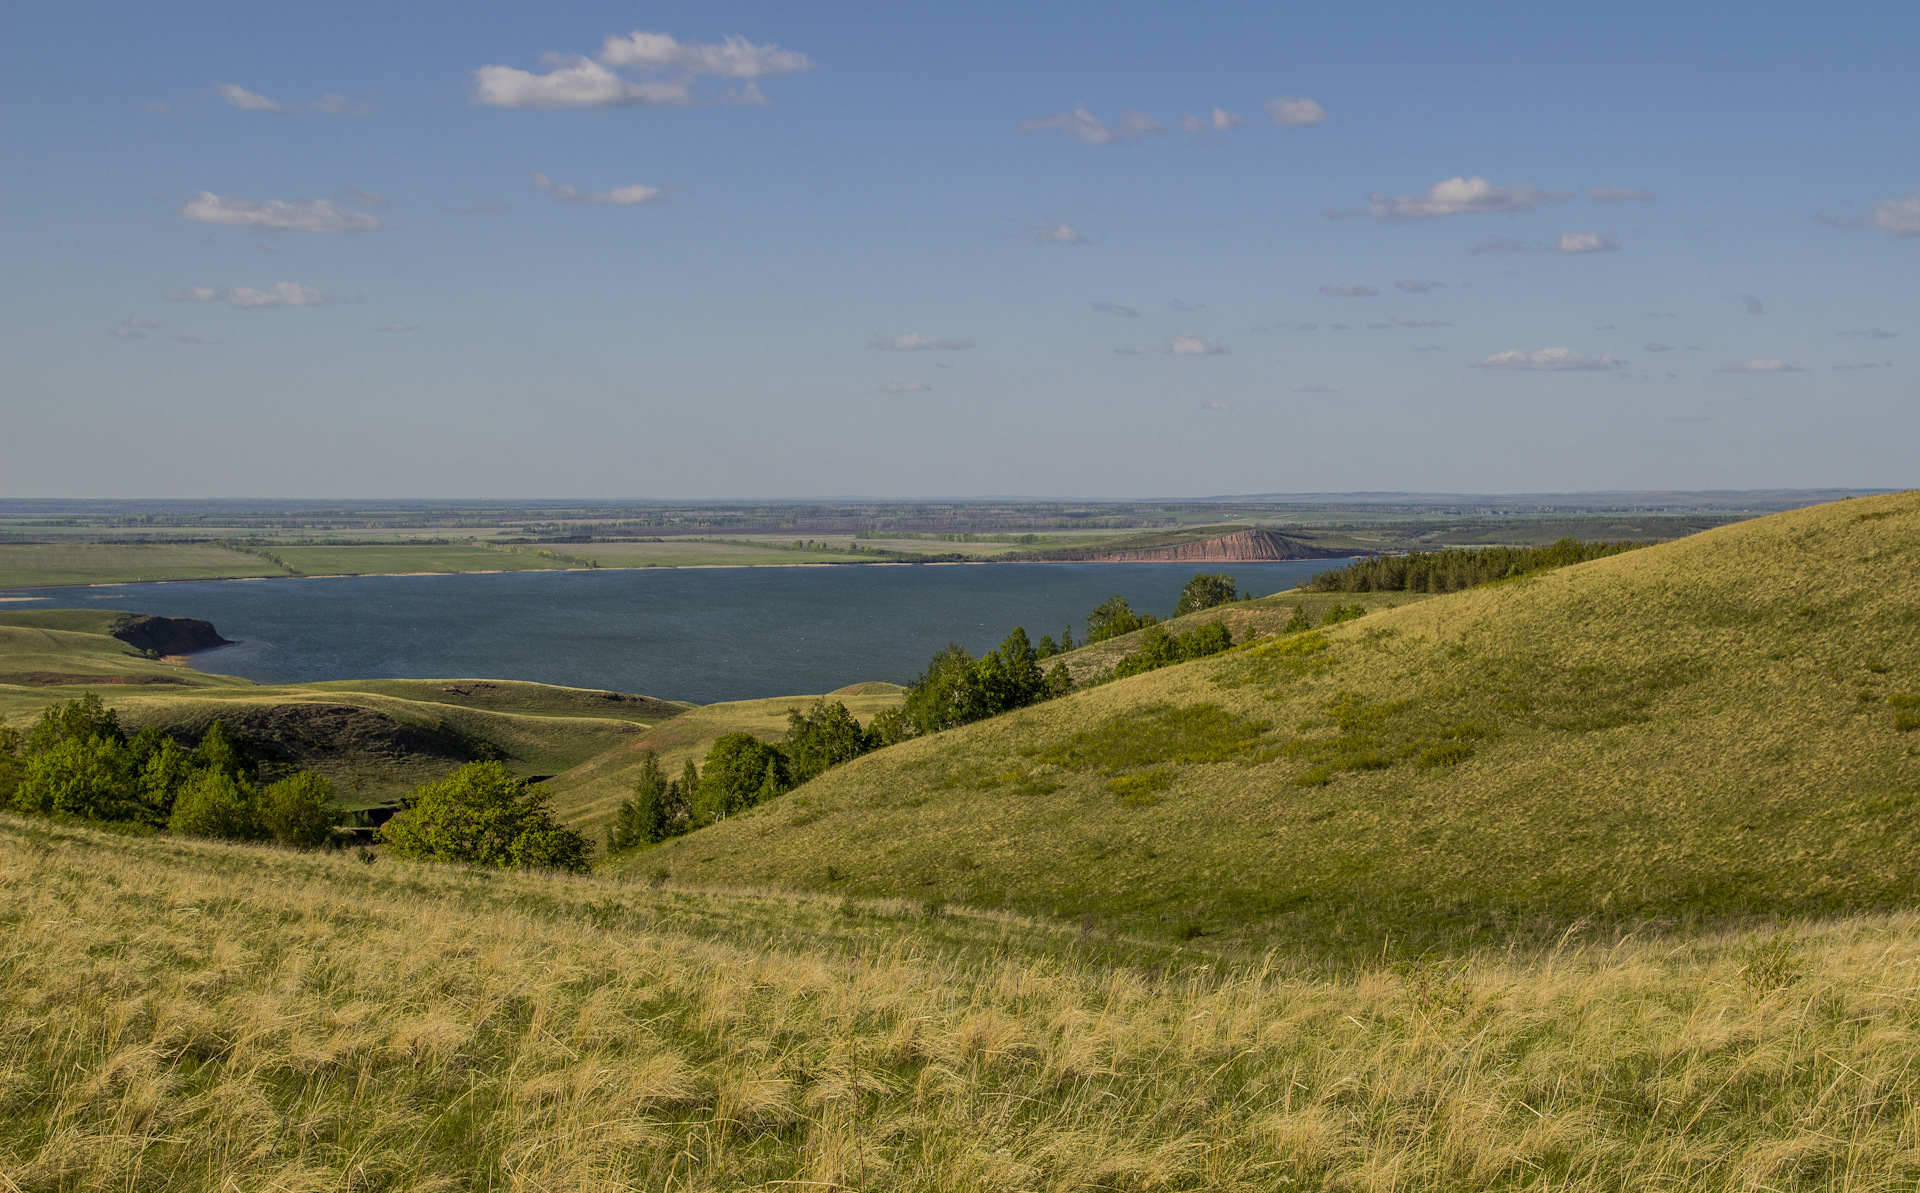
<point>12,766</point>
<point>162,775</point>
<point>735,776</point>
<point>1114,617</point>
<point>299,810</point>
<point>88,777</point>
<point>957,689</point>
<point>1298,622</point>
<point>220,805</point>
<point>1205,591</point>
<point>484,814</point>
<point>82,720</point>
<point>642,820</point>
<point>219,751</point>
<point>824,736</point>
<point>888,727</point>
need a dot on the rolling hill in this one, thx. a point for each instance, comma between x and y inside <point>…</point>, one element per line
<point>1710,730</point>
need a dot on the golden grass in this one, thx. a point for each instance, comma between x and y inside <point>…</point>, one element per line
<point>179,1015</point>
<point>1704,731</point>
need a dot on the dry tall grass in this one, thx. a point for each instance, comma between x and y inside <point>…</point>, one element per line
<point>191,1016</point>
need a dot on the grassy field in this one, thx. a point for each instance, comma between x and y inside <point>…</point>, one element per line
<point>586,796</point>
<point>46,565</point>
<point>226,1017</point>
<point>384,559</point>
<point>1713,730</point>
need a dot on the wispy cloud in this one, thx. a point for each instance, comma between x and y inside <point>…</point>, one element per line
<point>1501,244</point>
<point>1872,333</point>
<point>913,341</point>
<point>1656,346</point>
<point>282,294</point>
<point>1420,287</point>
<point>1055,232</point>
<point>1588,242</point>
<point>1216,407</point>
<point>1457,196</point>
<point>1620,194</point>
<point>1399,322</point>
<point>304,215</point>
<point>1871,364</point>
<point>1088,129</point>
<point>135,328</point>
<point>1348,290</point>
<point>620,196</point>
<point>1190,345</point>
<point>1897,217</point>
<point>905,387</point>
<point>1753,304</point>
<point>1295,110</point>
<point>1176,304</point>
<point>396,327</point>
<point>577,81</point>
<point>1315,389</point>
<point>1547,360</point>
<point>1114,308</point>
<point>329,104</point>
<point>157,107</point>
<point>367,198</point>
<point>1221,121</point>
<point>1761,366</point>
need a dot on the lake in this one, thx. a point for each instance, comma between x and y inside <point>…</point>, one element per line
<point>698,634</point>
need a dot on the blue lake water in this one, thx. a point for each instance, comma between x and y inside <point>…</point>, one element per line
<point>699,634</point>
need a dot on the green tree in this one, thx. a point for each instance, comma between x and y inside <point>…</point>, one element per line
<point>1337,614</point>
<point>1114,617</point>
<point>218,750</point>
<point>1205,591</point>
<point>81,720</point>
<point>299,810</point>
<point>12,766</point>
<point>642,819</point>
<point>825,735</point>
<point>220,805</point>
<point>1299,621</point>
<point>89,777</point>
<point>162,776</point>
<point>888,727</point>
<point>486,815</point>
<point>736,776</point>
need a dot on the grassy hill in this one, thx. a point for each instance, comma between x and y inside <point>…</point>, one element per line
<point>233,1017</point>
<point>1709,730</point>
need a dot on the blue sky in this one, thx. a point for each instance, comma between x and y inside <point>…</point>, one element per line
<point>781,250</point>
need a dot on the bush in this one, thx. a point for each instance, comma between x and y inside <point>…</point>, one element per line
<point>1114,617</point>
<point>1340,613</point>
<point>641,820</point>
<point>12,766</point>
<point>1205,591</point>
<point>76,720</point>
<point>299,810</point>
<point>824,736</point>
<point>957,688</point>
<point>741,771</point>
<point>89,777</point>
<point>890,726</point>
<point>216,804</point>
<point>485,815</point>
<point>1161,649</point>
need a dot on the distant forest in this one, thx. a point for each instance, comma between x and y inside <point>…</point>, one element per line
<point>1457,567</point>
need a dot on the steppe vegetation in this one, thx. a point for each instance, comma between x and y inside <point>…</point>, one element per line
<point>1455,569</point>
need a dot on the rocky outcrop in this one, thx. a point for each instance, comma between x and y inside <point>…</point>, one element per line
<point>169,635</point>
<point>1245,546</point>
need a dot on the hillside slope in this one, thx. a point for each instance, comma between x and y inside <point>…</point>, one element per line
<point>1715,727</point>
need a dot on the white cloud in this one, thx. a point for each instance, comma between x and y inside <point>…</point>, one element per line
<point>1872,333</point>
<point>1114,308</point>
<point>1501,244</point>
<point>734,58</point>
<point>1295,110</point>
<point>283,294</point>
<point>1459,196</point>
<point>1348,290</point>
<point>913,341</point>
<point>1588,242</point>
<point>1897,217</point>
<point>1656,346</point>
<point>620,196</point>
<point>135,328</point>
<point>252,101</point>
<point>305,215</point>
<point>1219,122</point>
<point>1620,194</point>
<point>397,327</point>
<point>1216,406</point>
<point>1547,360</point>
<point>905,387</point>
<point>1761,366</point>
<point>1187,345</point>
<point>1088,129</point>
<point>1057,233</point>
<point>579,83</point>
<point>1420,287</point>
<point>368,198</point>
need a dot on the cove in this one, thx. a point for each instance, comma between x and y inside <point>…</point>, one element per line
<point>697,634</point>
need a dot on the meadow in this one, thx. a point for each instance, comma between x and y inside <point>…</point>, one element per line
<point>48,565</point>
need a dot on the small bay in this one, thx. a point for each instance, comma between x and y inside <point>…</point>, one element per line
<point>698,634</point>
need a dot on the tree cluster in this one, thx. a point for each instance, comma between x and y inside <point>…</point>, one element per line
<point>78,763</point>
<point>1455,568</point>
<point>483,814</point>
<point>1161,649</point>
<point>957,689</point>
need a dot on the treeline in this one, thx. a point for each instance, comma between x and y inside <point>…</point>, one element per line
<point>1456,568</point>
<point>1026,539</point>
<point>78,764</point>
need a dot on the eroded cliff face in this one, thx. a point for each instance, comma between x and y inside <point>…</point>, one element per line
<point>1246,546</point>
<point>169,635</point>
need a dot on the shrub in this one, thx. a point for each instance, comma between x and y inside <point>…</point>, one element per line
<point>741,771</point>
<point>76,720</point>
<point>1161,649</point>
<point>890,726</point>
<point>299,810</point>
<point>824,736</point>
<point>484,814</point>
<point>219,751</point>
<point>89,777</point>
<point>1340,613</point>
<point>1298,622</point>
<point>216,804</point>
<point>642,820</point>
<point>957,688</point>
<point>1205,591</point>
<point>1114,617</point>
<point>12,766</point>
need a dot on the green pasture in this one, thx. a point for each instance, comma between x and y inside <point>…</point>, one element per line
<point>403,558</point>
<point>49,565</point>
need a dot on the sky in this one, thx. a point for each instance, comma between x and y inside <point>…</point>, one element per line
<point>736,250</point>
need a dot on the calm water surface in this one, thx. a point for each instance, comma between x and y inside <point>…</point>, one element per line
<point>699,634</point>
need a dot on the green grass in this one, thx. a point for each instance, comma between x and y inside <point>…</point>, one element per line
<point>40,565</point>
<point>1695,733</point>
<point>403,558</point>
